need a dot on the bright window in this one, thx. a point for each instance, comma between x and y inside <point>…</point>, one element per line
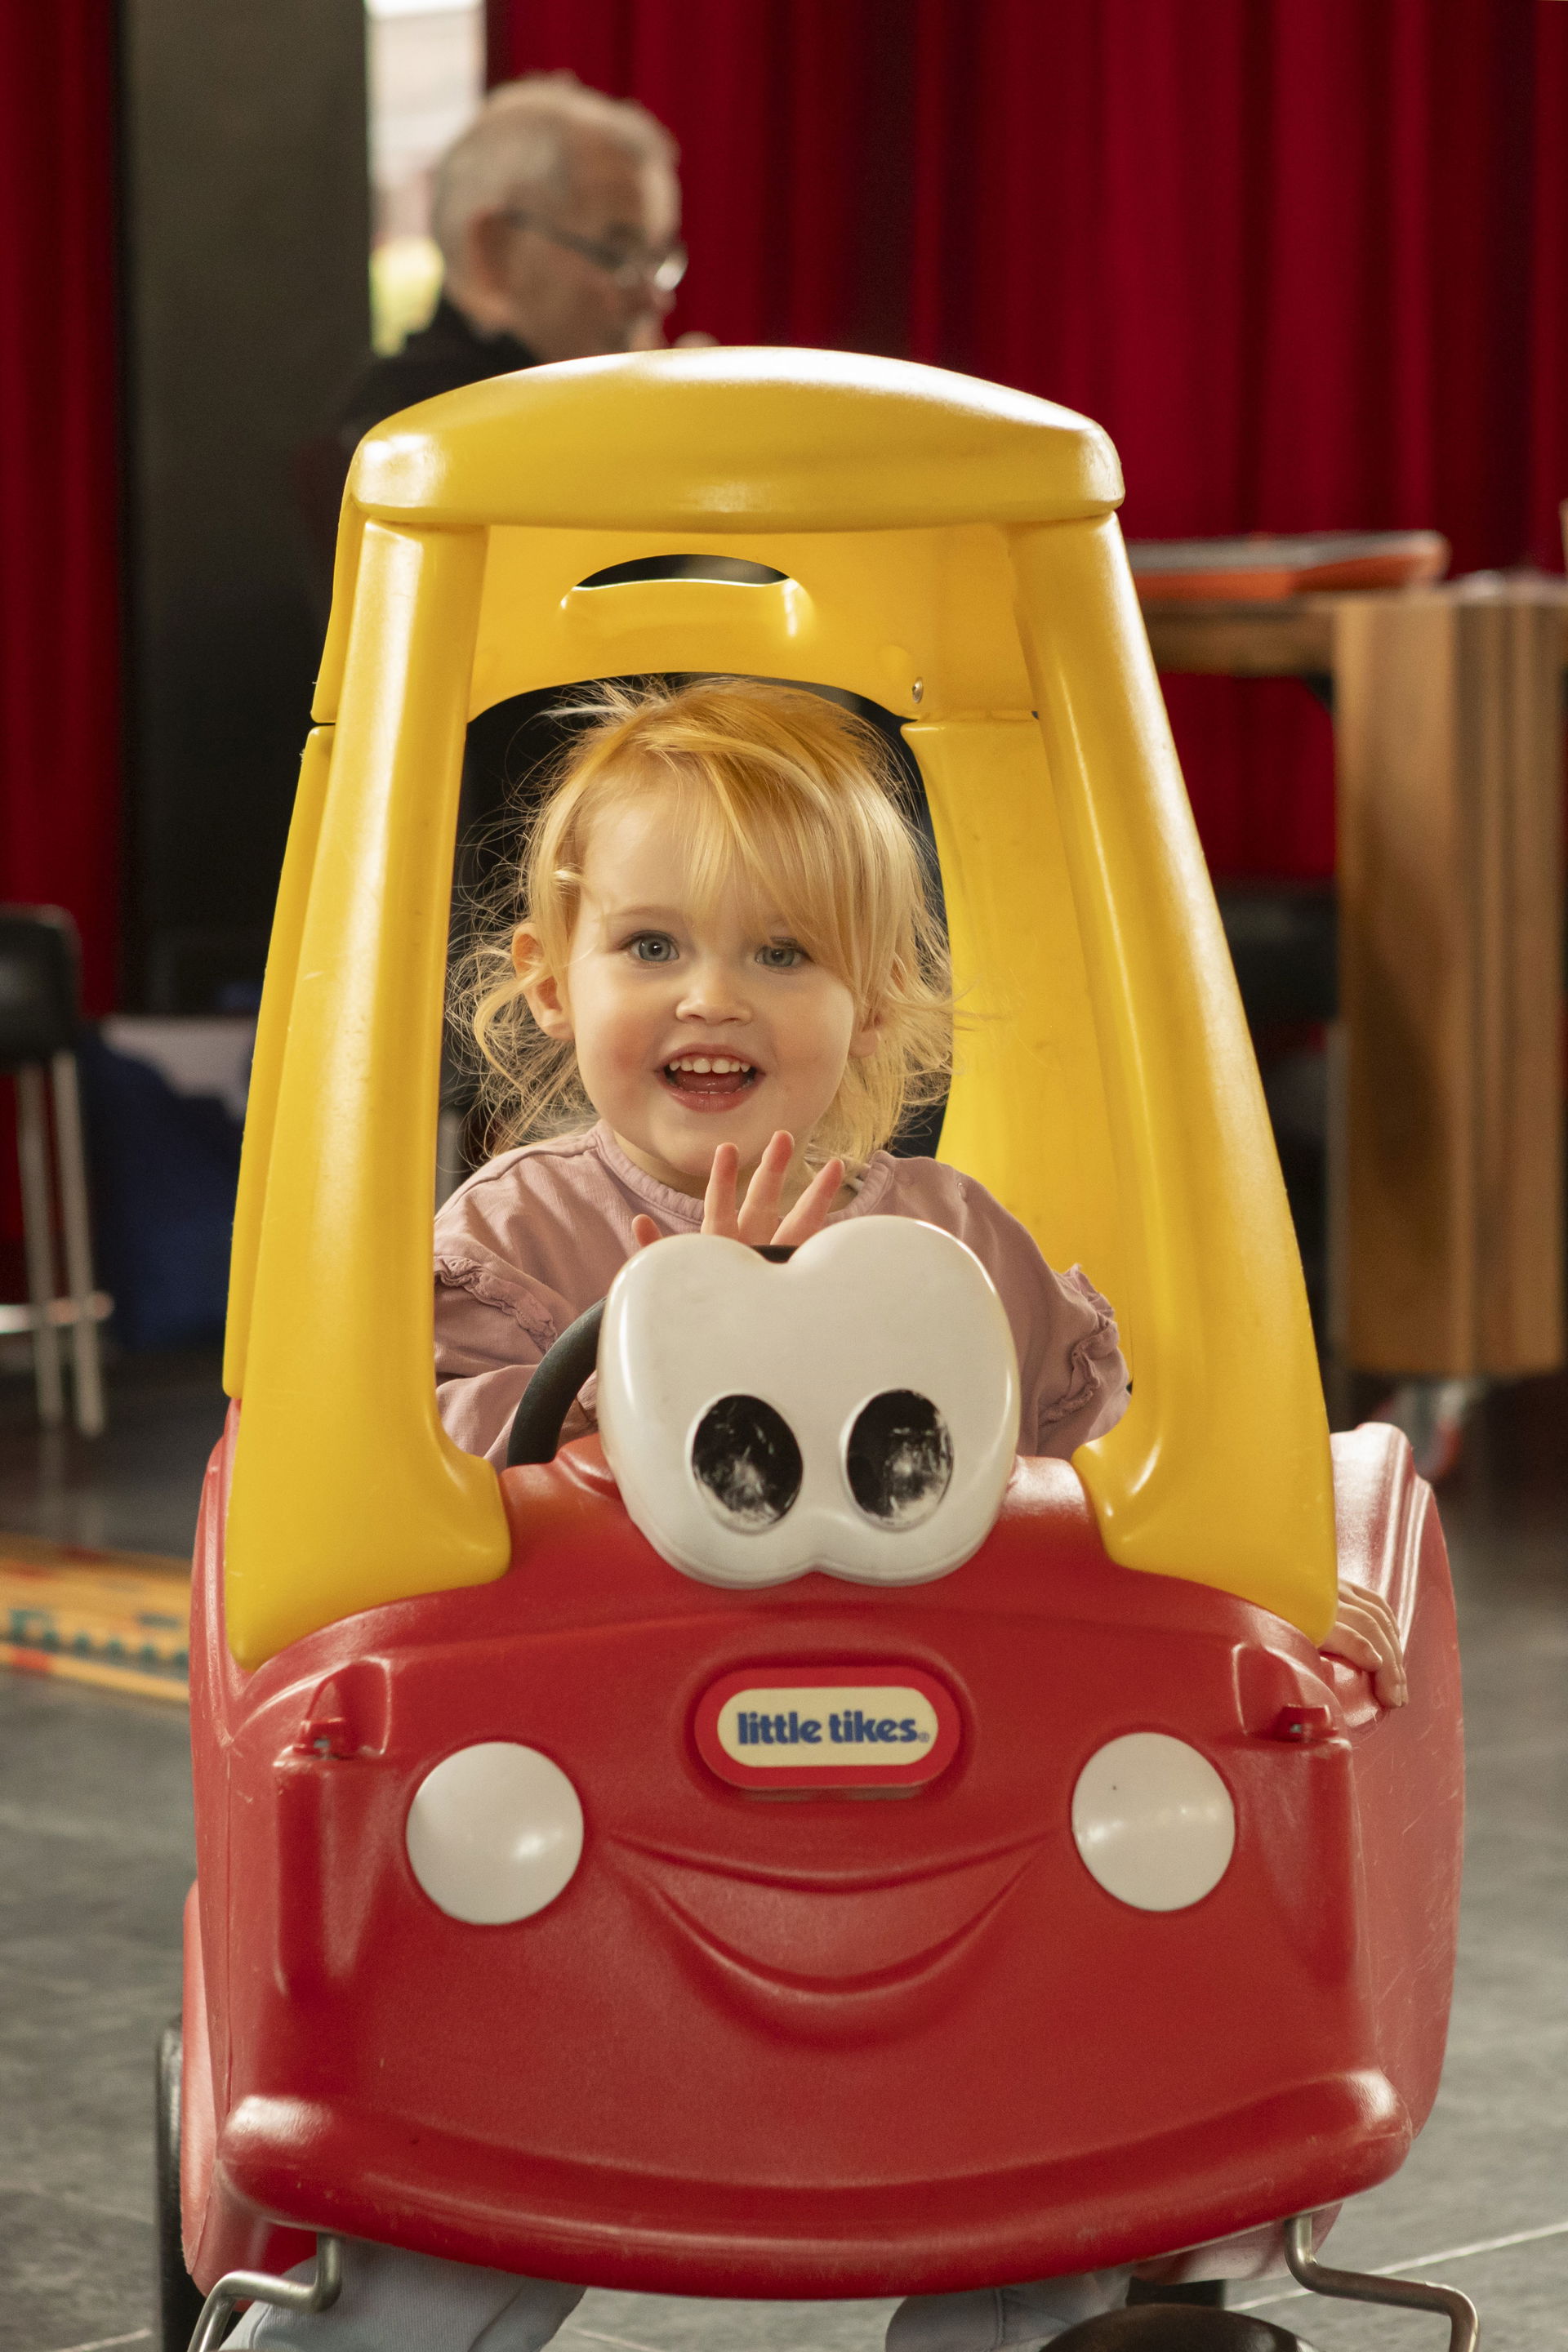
<point>425,63</point>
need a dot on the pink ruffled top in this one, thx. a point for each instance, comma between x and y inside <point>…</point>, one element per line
<point>537,1236</point>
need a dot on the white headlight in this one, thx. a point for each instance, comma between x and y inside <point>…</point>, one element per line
<point>494,1832</point>
<point>1154,1822</point>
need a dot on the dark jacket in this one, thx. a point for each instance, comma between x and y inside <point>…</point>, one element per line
<point>439,357</point>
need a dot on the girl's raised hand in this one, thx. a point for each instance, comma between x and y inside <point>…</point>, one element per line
<point>757,1220</point>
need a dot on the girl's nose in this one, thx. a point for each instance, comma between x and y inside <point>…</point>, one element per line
<point>714,992</point>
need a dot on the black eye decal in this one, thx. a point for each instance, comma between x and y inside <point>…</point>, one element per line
<point>745,1455</point>
<point>899,1458</point>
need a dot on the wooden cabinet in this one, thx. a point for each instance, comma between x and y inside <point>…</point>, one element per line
<point>1448,738</point>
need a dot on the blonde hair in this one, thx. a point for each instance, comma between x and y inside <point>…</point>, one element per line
<point>780,794</point>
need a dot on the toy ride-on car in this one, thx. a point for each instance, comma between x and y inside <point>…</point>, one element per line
<point>958,1875</point>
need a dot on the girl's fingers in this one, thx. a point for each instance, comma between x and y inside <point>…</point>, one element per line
<point>757,1221</point>
<point>1365,1632</point>
<point>1373,1618</point>
<point>760,1215</point>
<point>810,1213</point>
<point>720,1214</point>
<point>645,1232</point>
<point>1347,1641</point>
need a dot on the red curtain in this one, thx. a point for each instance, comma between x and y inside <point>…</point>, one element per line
<point>60,631</point>
<point>1305,260</point>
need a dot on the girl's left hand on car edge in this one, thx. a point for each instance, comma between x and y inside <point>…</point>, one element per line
<point>1365,1632</point>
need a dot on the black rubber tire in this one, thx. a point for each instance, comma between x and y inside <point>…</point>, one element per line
<point>1210,2291</point>
<point>179,2297</point>
<point>1183,2327</point>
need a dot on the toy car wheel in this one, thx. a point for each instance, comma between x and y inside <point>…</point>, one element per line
<point>1177,2327</point>
<point>179,2297</point>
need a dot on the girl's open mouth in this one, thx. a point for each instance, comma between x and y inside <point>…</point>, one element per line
<point>709,1081</point>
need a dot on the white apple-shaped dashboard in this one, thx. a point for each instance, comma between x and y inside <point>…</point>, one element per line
<point>855,1410</point>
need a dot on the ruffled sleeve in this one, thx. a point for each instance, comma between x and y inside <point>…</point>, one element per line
<point>493,1326</point>
<point>1070,1368</point>
<point>494,1322</point>
<point>1080,1387</point>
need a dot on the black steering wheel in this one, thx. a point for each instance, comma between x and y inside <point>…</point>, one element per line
<point>562,1371</point>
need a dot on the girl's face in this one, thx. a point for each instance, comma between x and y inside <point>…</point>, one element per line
<point>691,1030</point>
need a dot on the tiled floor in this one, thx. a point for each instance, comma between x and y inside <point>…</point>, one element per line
<point>95,1857</point>
<point>135,1488</point>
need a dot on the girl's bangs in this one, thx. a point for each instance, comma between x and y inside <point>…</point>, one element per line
<point>763,850</point>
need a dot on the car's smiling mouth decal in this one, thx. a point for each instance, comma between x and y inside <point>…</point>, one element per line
<point>802,1940</point>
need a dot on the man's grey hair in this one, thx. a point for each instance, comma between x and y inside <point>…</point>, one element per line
<point>518,150</point>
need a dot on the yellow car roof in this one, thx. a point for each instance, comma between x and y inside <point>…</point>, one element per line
<point>735,441</point>
<point>948,549</point>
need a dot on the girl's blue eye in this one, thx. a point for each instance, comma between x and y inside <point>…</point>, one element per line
<point>781,955</point>
<point>653,947</point>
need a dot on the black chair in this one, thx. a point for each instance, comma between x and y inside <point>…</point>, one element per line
<point>39,1018</point>
<point>1284,942</point>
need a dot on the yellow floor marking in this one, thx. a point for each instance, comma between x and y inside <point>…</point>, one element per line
<point>117,1620</point>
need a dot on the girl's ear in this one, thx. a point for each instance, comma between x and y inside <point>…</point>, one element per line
<point>541,987</point>
<point>869,1036</point>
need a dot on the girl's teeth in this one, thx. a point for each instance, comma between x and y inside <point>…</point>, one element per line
<point>701,1065</point>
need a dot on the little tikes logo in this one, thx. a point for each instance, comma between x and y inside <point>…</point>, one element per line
<point>827,1728</point>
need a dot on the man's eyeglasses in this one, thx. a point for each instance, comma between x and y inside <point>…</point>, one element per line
<point>628,268</point>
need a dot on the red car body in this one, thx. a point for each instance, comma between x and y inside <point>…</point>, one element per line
<point>817,2045</point>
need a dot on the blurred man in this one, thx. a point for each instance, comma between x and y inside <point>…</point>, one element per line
<point>557,215</point>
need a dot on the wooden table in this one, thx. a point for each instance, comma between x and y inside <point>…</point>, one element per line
<point>1447,705</point>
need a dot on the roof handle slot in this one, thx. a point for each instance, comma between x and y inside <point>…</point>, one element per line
<point>734,569</point>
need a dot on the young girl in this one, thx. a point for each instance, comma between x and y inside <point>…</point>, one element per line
<point>726,954</point>
<point>725,975</point>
